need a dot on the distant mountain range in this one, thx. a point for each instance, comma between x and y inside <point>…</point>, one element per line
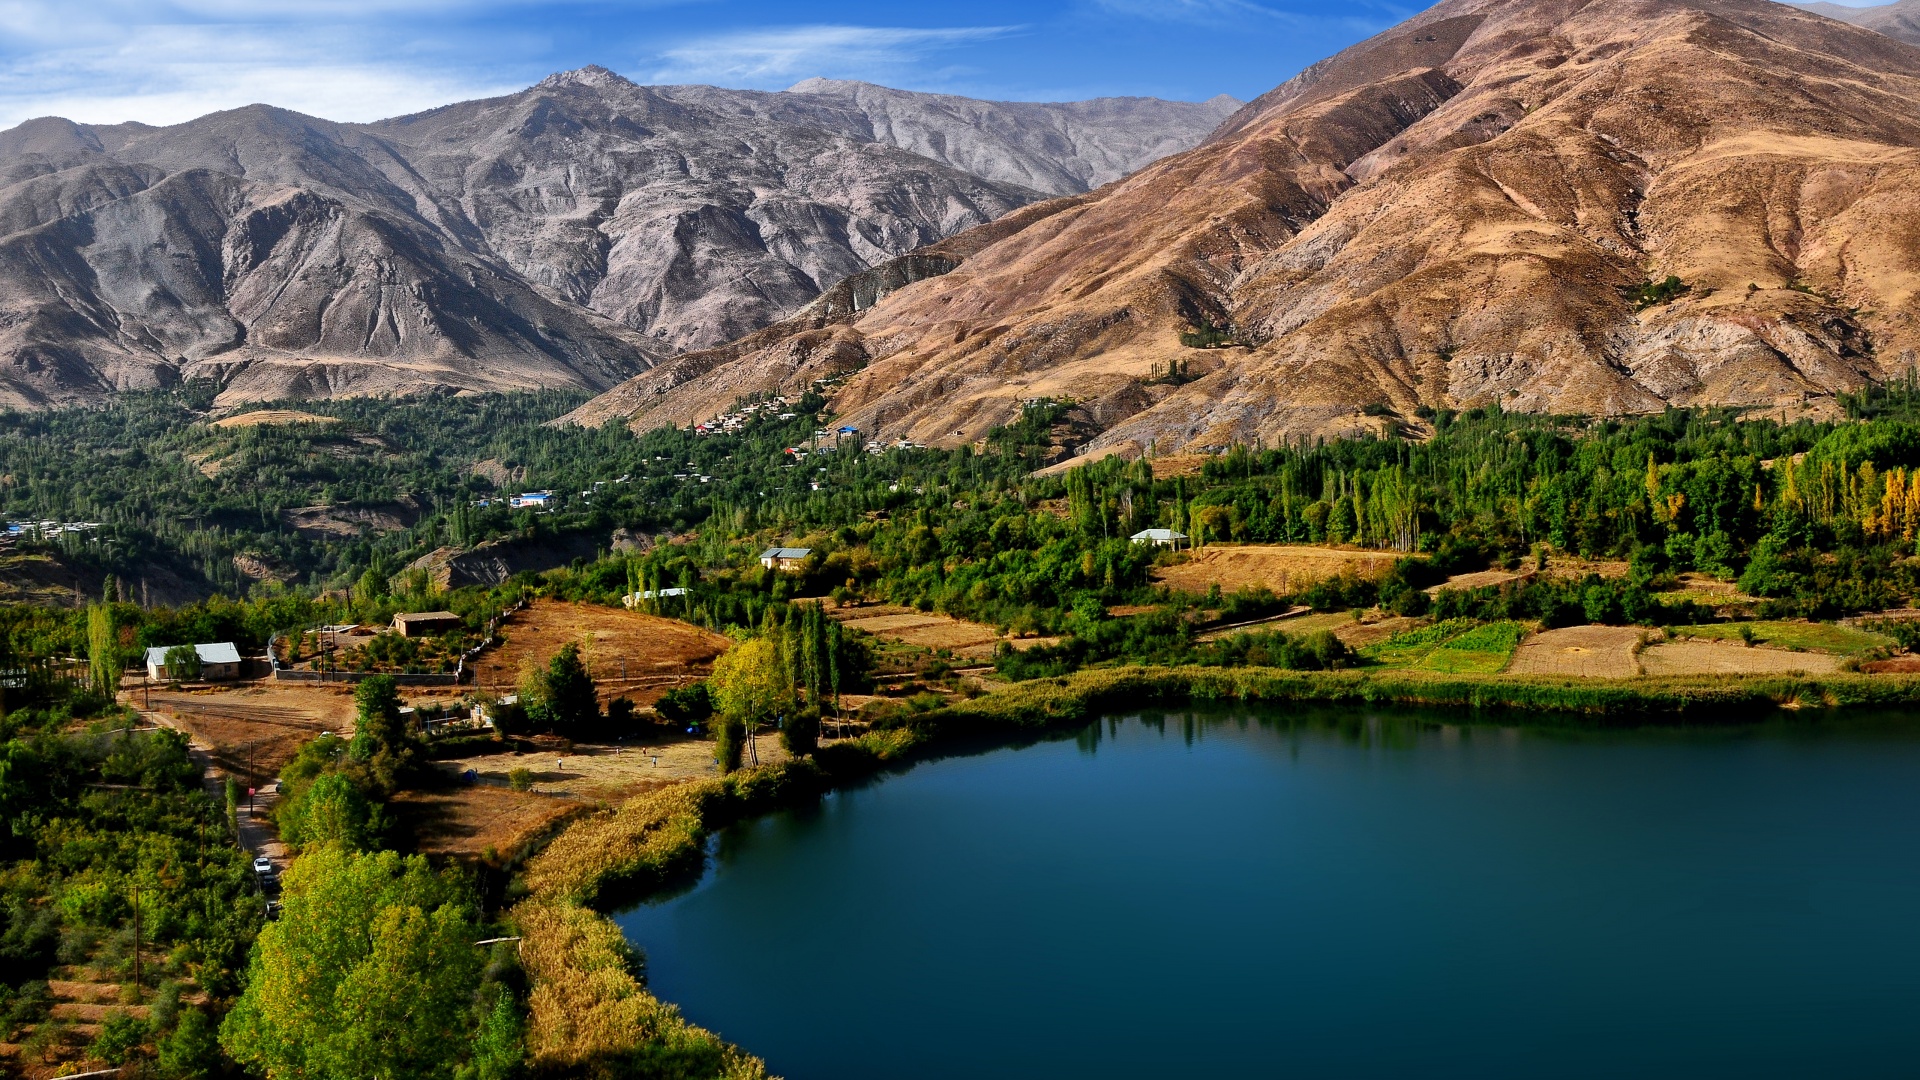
<point>1575,206</point>
<point>1901,20</point>
<point>572,234</point>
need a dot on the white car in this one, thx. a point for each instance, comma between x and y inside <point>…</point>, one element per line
<point>262,865</point>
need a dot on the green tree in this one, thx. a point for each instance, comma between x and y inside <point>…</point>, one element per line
<point>370,972</point>
<point>192,1050</point>
<point>331,810</point>
<point>748,682</point>
<point>572,705</point>
<point>382,743</point>
<point>103,653</point>
<point>182,663</point>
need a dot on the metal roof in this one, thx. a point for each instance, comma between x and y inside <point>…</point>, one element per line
<point>1158,534</point>
<point>219,652</point>
<point>786,553</point>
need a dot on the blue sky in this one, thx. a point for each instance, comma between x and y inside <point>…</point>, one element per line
<point>163,61</point>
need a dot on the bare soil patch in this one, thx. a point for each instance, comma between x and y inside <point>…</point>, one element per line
<point>1603,652</point>
<point>254,728</point>
<point>471,818</point>
<point>1696,656</point>
<point>1571,566</point>
<point>628,653</point>
<point>1481,579</point>
<point>1280,568</point>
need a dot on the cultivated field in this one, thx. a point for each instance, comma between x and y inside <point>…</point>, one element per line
<point>1793,634</point>
<point>1604,652</point>
<point>1281,568</point>
<point>1694,656</point>
<point>629,653</point>
<point>926,630</point>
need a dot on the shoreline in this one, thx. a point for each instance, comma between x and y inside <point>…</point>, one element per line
<point>590,1014</point>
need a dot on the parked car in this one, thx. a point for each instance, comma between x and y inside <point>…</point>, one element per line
<point>262,865</point>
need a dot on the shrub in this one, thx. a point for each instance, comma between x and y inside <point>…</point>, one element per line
<point>729,744</point>
<point>119,1037</point>
<point>686,704</point>
<point>520,779</point>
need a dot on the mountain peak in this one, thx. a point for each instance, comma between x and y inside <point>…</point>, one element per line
<point>592,75</point>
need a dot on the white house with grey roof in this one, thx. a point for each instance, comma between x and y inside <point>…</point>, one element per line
<point>218,660</point>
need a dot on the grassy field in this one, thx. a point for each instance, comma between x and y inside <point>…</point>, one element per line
<point>1410,647</point>
<point>1793,634</point>
<point>1483,650</point>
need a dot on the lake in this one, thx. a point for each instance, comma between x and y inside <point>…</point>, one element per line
<point>1327,893</point>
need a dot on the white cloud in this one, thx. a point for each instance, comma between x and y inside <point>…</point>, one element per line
<point>168,74</point>
<point>1245,12</point>
<point>766,56</point>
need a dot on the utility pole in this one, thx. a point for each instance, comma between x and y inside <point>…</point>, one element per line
<point>251,784</point>
<point>137,989</point>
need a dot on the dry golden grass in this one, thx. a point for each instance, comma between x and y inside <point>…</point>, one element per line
<point>468,820</point>
<point>921,628</point>
<point>1280,568</point>
<point>613,641</point>
<point>1695,656</point>
<point>273,416</point>
<point>1588,651</point>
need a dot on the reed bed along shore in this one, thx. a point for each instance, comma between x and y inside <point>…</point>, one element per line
<point>590,1013</point>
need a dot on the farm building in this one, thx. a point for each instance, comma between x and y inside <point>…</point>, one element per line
<point>218,660</point>
<point>418,623</point>
<point>531,500</point>
<point>632,599</point>
<point>785,558</point>
<point>1159,537</point>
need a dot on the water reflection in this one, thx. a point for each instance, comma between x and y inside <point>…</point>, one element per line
<point>1242,892</point>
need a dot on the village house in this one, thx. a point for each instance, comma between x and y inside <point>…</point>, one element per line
<point>1159,538</point>
<point>421,623</point>
<point>785,558</point>
<point>218,661</point>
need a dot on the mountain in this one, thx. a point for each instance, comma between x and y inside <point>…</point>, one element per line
<point>1481,206</point>
<point>571,235</point>
<point>1901,20</point>
<point>1057,148</point>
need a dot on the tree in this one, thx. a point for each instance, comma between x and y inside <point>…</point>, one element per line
<point>331,810</point>
<point>182,663</point>
<point>370,971</point>
<point>103,655</point>
<point>572,705</point>
<point>382,743</point>
<point>748,682</point>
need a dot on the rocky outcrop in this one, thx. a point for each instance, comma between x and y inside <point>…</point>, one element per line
<point>569,235</point>
<point>1470,209</point>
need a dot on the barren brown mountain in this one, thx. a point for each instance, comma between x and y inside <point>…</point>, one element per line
<point>1484,205</point>
<point>565,236</point>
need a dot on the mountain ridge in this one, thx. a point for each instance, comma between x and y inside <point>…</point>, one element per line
<point>571,234</point>
<point>1460,211</point>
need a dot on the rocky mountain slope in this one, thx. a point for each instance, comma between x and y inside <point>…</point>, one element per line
<point>569,235</point>
<point>1901,20</point>
<point>1481,206</point>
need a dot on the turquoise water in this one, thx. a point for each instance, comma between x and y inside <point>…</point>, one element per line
<point>1326,894</point>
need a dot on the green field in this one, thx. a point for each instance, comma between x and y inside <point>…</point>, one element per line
<point>1794,634</point>
<point>1483,650</point>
